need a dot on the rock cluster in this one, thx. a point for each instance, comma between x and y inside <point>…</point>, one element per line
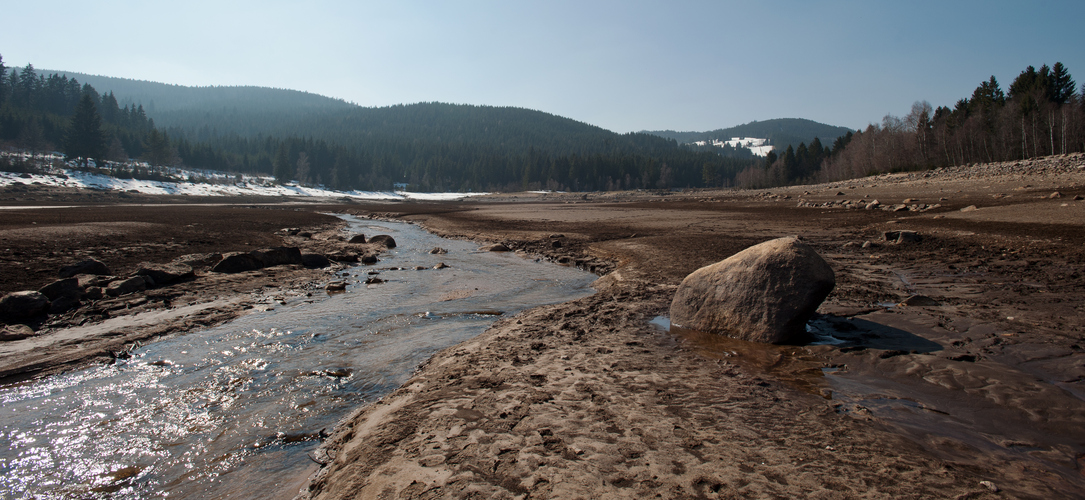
<point>90,280</point>
<point>908,206</point>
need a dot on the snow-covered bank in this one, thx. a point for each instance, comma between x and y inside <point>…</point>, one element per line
<point>200,183</point>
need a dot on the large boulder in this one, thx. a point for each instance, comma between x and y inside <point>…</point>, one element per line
<point>236,262</point>
<point>383,239</point>
<point>164,274</point>
<point>22,305</point>
<point>89,266</point>
<point>765,293</point>
<point>277,256</point>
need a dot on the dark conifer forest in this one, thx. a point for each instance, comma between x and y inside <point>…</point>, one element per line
<point>311,139</point>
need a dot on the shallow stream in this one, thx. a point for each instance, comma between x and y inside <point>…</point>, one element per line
<point>234,410</point>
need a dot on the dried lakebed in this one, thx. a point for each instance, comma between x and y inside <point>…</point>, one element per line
<point>234,410</point>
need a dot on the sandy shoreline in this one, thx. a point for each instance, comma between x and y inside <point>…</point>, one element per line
<point>588,399</point>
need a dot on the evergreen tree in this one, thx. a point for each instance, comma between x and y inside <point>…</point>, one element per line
<point>159,151</point>
<point>85,139</point>
<point>284,171</point>
<point>1062,86</point>
<point>3,81</point>
<point>790,164</point>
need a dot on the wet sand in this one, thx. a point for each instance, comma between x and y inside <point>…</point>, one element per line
<point>589,399</point>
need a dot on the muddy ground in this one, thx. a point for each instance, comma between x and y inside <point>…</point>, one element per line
<point>975,392</point>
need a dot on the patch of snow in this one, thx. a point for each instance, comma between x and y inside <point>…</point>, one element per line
<point>756,145</point>
<point>219,184</point>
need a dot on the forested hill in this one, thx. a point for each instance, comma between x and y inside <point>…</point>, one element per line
<point>216,113</point>
<point>431,146</point>
<point>161,98</point>
<point>780,132</point>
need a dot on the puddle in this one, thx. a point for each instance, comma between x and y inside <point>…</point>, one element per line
<point>796,365</point>
<point>232,411</point>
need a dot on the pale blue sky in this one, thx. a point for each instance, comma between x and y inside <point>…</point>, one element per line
<point>622,65</point>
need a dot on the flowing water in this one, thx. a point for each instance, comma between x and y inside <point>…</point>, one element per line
<point>233,411</point>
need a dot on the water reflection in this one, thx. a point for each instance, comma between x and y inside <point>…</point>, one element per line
<point>232,411</point>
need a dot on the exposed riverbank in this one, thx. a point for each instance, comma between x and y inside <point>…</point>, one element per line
<point>978,390</point>
<point>589,399</point>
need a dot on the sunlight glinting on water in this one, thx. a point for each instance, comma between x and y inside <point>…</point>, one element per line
<point>233,410</point>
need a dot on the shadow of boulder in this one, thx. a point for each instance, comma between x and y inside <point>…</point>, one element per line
<point>856,334</point>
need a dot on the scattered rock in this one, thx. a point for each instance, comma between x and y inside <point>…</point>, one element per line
<point>440,265</point>
<point>873,205</point>
<point>903,236</point>
<point>555,243</point>
<point>496,247</point>
<point>94,293</point>
<point>89,266</point>
<point>369,259</point>
<point>383,239</point>
<point>1078,197</point>
<point>765,293</point>
<point>556,236</point>
<point>990,486</point>
<point>236,262</point>
<point>21,305</point>
<point>61,288</point>
<point>15,332</point>
<point>336,286</point>
<point>277,256</point>
<point>969,208</point>
<point>438,251</point>
<point>89,280</point>
<point>342,256</point>
<point>373,280</point>
<point>125,287</point>
<point>165,274</point>
<point>314,261</point>
<point>920,301</point>
<point>1054,195</point>
<point>358,238</point>
<point>198,260</point>
<point>64,295</point>
<point>909,237</point>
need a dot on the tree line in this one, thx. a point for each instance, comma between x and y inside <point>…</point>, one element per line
<point>1040,114</point>
<point>37,113</point>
